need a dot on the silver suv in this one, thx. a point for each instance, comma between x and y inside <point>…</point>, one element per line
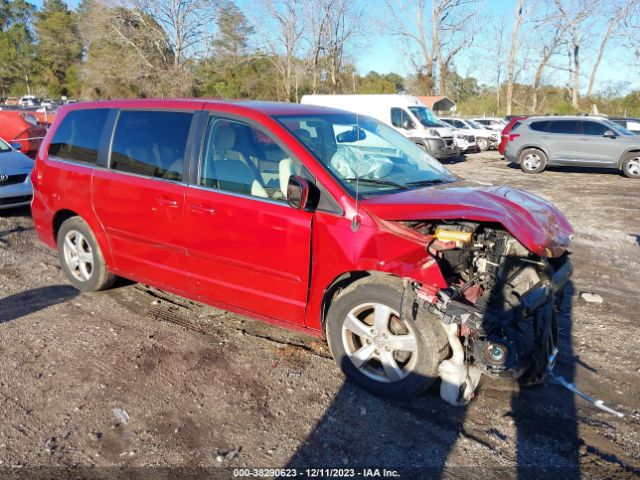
<point>538,142</point>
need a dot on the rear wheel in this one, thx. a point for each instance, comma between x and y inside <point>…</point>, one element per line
<point>81,258</point>
<point>532,160</point>
<point>382,351</point>
<point>631,165</point>
<point>483,144</point>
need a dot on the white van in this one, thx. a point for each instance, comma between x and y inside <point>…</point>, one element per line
<point>404,113</point>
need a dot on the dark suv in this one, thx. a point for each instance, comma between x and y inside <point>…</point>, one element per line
<point>538,142</point>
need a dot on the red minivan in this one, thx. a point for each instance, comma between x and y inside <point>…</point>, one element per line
<point>313,219</point>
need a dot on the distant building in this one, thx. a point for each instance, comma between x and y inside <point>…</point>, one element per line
<point>439,104</point>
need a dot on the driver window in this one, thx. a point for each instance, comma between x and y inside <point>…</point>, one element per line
<point>240,158</point>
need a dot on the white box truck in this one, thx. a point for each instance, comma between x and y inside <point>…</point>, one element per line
<point>404,113</point>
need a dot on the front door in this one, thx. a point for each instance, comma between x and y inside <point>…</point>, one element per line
<point>140,198</point>
<point>596,149</point>
<point>247,248</point>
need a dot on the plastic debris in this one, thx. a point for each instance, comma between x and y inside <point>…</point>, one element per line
<point>121,415</point>
<point>591,297</point>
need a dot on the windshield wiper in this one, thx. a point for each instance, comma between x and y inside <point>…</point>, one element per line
<point>376,181</point>
<point>426,183</point>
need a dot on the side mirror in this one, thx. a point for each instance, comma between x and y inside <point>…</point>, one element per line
<point>16,146</point>
<point>609,134</point>
<point>407,124</point>
<point>298,190</point>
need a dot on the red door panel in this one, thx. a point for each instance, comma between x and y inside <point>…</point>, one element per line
<point>250,253</point>
<point>144,221</point>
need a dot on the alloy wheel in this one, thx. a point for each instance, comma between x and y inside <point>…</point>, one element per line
<point>78,255</point>
<point>532,161</point>
<point>633,167</point>
<point>378,343</point>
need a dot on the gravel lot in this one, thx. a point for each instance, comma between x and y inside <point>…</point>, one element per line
<point>206,388</point>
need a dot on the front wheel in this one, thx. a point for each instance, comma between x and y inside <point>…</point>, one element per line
<point>483,144</point>
<point>81,258</point>
<point>382,351</point>
<point>631,165</point>
<point>532,160</point>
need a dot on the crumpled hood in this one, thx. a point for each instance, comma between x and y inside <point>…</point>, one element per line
<point>535,222</point>
<point>15,163</point>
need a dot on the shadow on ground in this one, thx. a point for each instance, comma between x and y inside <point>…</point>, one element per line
<point>416,437</point>
<point>30,301</point>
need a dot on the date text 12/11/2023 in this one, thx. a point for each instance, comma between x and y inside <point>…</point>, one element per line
<point>316,473</point>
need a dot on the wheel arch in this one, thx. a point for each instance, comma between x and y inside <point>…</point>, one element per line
<point>534,146</point>
<point>343,281</point>
<point>96,228</point>
<point>624,155</point>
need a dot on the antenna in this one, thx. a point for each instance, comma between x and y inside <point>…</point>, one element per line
<point>355,221</point>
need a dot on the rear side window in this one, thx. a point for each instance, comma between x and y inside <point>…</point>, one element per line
<point>151,143</point>
<point>78,136</point>
<point>594,128</point>
<point>540,126</point>
<point>563,126</point>
<point>515,127</point>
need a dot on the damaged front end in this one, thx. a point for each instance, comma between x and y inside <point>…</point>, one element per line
<point>499,309</point>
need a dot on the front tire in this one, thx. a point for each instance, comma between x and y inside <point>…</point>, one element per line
<point>81,258</point>
<point>532,160</point>
<point>385,353</point>
<point>631,165</point>
<point>483,144</point>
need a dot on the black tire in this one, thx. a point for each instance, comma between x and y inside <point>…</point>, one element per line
<point>532,160</point>
<point>631,165</point>
<point>419,368</point>
<point>85,276</point>
<point>483,144</point>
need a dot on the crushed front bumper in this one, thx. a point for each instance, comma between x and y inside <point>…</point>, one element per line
<point>515,343</point>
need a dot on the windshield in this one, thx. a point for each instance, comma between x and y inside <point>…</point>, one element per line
<point>616,127</point>
<point>426,117</point>
<point>475,124</point>
<point>4,146</point>
<point>353,147</point>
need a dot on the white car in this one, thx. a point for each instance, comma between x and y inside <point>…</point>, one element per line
<point>485,138</point>
<point>492,123</point>
<point>465,139</point>
<point>15,177</point>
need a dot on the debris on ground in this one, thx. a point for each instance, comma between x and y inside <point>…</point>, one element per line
<point>121,415</point>
<point>228,455</point>
<point>591,297</point>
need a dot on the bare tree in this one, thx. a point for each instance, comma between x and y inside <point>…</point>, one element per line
<point>513,52</point>
<point>281,26</point>
<point>620,13</point>
<point>551,31</point>
<point>439,34</point>
<point>184,21</point>
<point>574,15</point>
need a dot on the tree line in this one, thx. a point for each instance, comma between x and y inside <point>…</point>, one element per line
<point>544,56</point>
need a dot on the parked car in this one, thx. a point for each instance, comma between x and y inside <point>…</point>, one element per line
<point>492,123</point>
<point>313,219</point>
<point>406,114</point>
<point>485,138</point>
<point>631,124</point>
<point>15,176</point>
<point>505,135</point>
<point>538,142</point>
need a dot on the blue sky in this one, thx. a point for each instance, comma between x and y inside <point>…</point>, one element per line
<point>380,51</point>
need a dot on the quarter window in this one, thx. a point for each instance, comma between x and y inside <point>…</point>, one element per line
<point>539,126</point>
<point>151,143</point>
<point>240,158</point>
<point>563,126</point>
<point>77,138</point>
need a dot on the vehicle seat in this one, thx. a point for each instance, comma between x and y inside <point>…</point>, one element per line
<point>223,143</point>
<point>236,176</point>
